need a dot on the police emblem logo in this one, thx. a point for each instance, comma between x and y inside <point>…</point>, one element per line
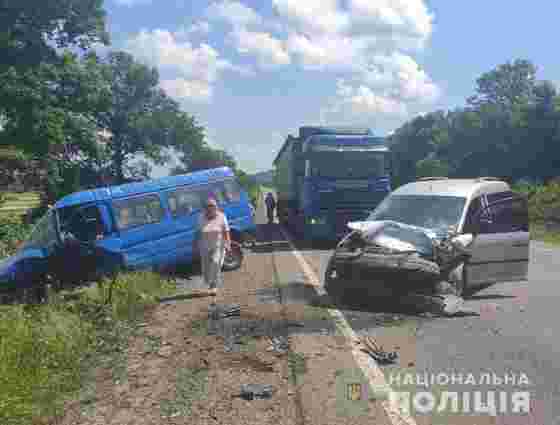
<point>354,392</point>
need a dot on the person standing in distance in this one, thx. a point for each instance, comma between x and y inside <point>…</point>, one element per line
<point>214,241</point>
<point>270,206</point>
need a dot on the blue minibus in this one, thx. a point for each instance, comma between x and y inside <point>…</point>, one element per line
<point>144,225</point>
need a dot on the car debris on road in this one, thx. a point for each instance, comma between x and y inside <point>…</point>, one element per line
<point>377,352</point>
<point>253,391</point>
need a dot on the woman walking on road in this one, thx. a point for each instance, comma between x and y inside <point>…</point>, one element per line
<point>214,241</point>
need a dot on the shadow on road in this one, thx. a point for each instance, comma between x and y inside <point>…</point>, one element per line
<point>353,301</point>
<point>271,239</point>
<point>489,297</point>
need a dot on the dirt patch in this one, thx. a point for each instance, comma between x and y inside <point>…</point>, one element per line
<point>176,371</point>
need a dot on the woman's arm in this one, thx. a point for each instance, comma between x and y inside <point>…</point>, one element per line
<point>226,233</point>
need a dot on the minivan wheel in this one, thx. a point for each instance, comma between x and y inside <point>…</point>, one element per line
<point>234,258</point>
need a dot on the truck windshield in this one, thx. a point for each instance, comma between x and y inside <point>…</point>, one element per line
<point>351,164</point>
<point>44,234</point>
<point>430,212</point>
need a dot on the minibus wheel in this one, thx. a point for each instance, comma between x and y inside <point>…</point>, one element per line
<point>234,258</point>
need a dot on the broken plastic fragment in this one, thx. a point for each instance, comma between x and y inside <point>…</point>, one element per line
<point>252,391</point>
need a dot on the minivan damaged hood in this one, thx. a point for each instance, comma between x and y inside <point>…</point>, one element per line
<point>397,236</point>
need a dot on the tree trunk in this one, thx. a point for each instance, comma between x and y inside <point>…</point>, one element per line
<point>118,161</point>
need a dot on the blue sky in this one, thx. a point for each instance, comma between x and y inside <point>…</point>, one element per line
<point>253,71</point>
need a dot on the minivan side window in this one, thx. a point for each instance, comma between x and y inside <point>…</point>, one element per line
<point>183,202</point>
<point>137,211</point>
<point>471,219</point>
<point>506,213</point>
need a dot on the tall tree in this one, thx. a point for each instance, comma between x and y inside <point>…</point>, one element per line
<point>204,158</point>
<point>508,84</point>
<point>31,31</point>
<point>141,118</point>
<point>46,93</point>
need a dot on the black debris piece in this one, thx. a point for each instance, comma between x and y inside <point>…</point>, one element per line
<point>253,391</point>
<point>217,311</point>
<point>233,344</point>
<point>377,352</point>
<point>279,344</point>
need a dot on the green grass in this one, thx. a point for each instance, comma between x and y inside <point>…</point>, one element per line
<point>297,366</point>
<point>47,352</point>
<point>254,194</point>
<point>15,205</point>
<point>190,385</point>
<point>539,233</point>
<point>200,327</point>
<point>315,313</point>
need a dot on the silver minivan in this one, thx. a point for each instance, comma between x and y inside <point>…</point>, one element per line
<point>485,208</point>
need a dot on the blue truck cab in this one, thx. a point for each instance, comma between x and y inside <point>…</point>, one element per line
<point>145,225</point>
<point>327,177</point>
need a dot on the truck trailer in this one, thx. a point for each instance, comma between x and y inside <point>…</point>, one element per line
<point>328,176</point>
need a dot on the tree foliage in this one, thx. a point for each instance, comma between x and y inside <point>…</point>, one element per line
<point>140,117</point>
<point>31,31</point>
<point>509,129</point>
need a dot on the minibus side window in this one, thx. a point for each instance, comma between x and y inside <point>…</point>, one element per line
<point>183,202</point>
<point>211,191</point>
<point>138,211</point>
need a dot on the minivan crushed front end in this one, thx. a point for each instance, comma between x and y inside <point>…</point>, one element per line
<point>392,258</point>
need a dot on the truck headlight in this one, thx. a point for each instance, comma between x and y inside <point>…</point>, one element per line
<point>318,220</point>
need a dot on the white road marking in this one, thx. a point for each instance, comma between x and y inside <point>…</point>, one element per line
<point>369,367</point>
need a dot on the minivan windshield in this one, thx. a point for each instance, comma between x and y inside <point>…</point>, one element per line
<point>44,233</point>
<point>427,211</point>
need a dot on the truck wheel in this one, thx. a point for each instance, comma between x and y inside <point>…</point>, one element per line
<point>234,258</point>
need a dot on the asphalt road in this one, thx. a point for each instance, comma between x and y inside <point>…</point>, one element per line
<point>508,328</point>
<point>505,329</point>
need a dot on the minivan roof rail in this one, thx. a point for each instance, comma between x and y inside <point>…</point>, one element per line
<point>493,179</point>
<point>423,179</point>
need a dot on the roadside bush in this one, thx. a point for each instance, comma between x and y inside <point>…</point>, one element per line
<point>12,231</point>
<point>544,201</point>
<point>254,193</point>
<point>45,350</point>
<point>128,294</point>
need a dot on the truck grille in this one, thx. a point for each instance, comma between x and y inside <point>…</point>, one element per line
<point>350,199</point>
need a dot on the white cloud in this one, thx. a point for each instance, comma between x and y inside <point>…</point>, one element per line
<point>399,76</point>
<point>407,19</point>
<point>179,88</point>
<point>365,43</point>
<point>327,51</point>
<point>267,49</point>
<point>388,91</point>
<point>312,16</point>
<point>200,27</point>
<point>198,67</point>
<point>362,100</point>
<point>233,13</point>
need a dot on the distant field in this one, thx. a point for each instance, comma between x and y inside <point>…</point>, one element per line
<point>14,205</point>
